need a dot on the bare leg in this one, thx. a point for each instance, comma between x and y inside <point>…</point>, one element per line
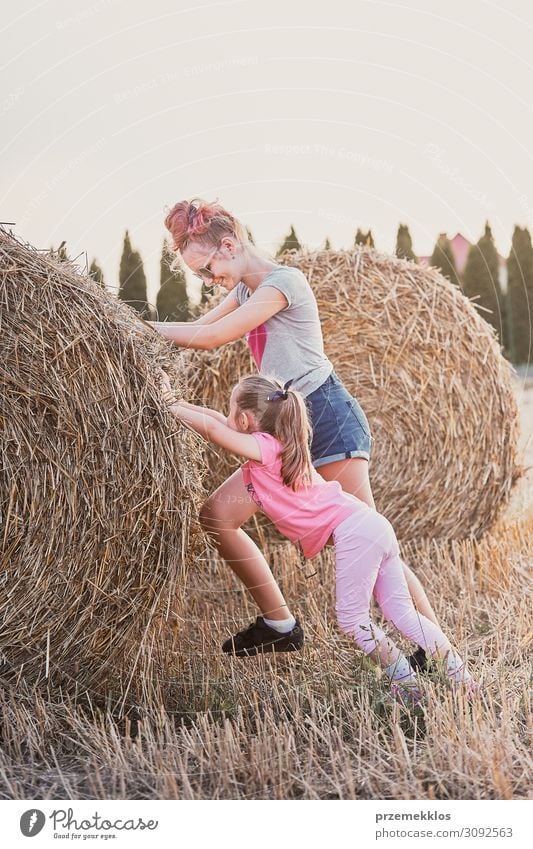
<point>353,477</point>
<point>221,516</point>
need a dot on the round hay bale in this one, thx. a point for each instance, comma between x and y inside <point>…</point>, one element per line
<point>98,484</point>
<point>428,371</point>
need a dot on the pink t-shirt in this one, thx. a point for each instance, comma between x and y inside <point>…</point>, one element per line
<point>308,516</point>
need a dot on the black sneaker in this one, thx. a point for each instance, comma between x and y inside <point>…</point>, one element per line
<point>418,660</point>
<point>259,638</point>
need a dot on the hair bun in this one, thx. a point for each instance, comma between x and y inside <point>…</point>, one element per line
<point>200,219</point>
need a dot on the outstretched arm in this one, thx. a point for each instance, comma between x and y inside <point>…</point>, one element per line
<point>169,328</point>
<point>209,412</point>
<point>226,306</point>
<point>261,306</point>
<point>199,420</point>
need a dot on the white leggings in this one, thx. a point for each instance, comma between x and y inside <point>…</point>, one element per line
<point>368,562</point>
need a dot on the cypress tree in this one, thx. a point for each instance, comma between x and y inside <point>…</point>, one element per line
<point>520,296</point>
<point>443,259</point>
<point>96,273</point>
<point>364,238</point>
<point>132,279</point>
<point>172,300</point>
<point>404,244</point>
<point>290,243</point>
<point>481,277</point>
<point>327,244</point>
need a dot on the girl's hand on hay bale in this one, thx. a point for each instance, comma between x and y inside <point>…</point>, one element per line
<point>165,380</point>
<point>169,394</point>
<point>173,403</point>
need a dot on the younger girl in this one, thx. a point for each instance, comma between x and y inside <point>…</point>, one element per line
<point>269,425</point>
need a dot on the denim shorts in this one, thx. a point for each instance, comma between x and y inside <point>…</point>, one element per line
<point>340,427</point>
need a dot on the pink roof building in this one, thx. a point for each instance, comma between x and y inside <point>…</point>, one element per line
<point>460,248</point>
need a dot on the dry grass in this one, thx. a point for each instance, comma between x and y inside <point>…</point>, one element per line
<point>310,725</point>
<point>427,370</point>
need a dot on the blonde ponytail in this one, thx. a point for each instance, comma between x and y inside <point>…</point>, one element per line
<point>294,432</point>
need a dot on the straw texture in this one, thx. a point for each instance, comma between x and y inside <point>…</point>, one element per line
<point>428,371</point>
<point>314,724</point>
<point>98,483</point>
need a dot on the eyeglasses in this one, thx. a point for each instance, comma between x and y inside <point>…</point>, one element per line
<point>204,272</point>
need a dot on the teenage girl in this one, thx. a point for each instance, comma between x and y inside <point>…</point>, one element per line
<point>268,423</point>
<point>274,307</point>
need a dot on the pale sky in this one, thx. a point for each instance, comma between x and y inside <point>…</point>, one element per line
<point>328,116</point>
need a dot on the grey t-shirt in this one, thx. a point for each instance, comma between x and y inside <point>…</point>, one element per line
<point>289,344</point>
